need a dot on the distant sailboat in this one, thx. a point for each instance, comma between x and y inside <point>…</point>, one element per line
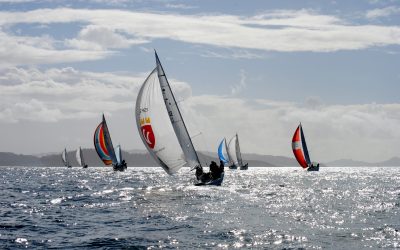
<point>104,147</point>
<point>64,157</point>
<point>80,159</point>
<point>222,157</point>
<point>235,156</point>
<point>155,105</point>
<point>300,150</point>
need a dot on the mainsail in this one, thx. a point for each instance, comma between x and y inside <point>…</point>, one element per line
<point>299,147</point>
<point>118,154</point>
<point>232,151</point>
<point>177,121</point>
<point>155,105</point>
<point>154,126</point>
<point>221,154</point>
<point>238,153</point>
<point>103,144</point>
<point>79,157</point>
<point>64,157</point>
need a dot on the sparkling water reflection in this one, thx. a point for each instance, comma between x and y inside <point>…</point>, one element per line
<point>337,208</point>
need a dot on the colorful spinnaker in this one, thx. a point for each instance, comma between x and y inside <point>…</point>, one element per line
<point>103,144</point>
<point>299,147</point>
<point>300,150</point>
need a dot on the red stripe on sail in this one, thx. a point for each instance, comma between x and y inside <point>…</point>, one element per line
<point>297,148</point>
<point>102,141</point>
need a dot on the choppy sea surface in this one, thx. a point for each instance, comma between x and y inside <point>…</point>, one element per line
<point>143,208</point>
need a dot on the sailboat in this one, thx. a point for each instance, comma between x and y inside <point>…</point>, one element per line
<point>80,159</point>
<point>162,128</point>
<point>300,150</point>
<point>222,157</point>
<point>235,156</point>
<point>104,147</point>
<point>64,157</point>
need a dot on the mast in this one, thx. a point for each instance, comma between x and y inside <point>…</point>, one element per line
<point>176,118</point>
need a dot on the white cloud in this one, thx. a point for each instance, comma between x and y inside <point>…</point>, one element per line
<point>101,38</point>
<point>364,132</point>
<point>23,50</point>
<point>282,30</point>
<point>67,93</point>
<point>383,12</point>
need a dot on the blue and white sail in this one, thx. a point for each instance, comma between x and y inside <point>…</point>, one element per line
<point>221,155</point>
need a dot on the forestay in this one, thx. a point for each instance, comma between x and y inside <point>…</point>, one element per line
<point>154,126</point>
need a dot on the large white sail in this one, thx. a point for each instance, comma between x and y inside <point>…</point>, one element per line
<point>79,157</point>
<point>238,153</point>
<point>118,154</point>
<point>232,151</point>
<point>177,121</point>
<point>154,126</point>
<point>64,157</point>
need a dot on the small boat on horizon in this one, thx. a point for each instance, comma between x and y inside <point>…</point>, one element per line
<point>104,147</point>
<point>163,130</point>
<point>300,150</point>
<point>80,159</point>
<point>234,155</point>
<point>64,157</point>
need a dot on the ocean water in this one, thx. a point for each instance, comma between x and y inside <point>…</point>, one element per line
<point>143,208</point>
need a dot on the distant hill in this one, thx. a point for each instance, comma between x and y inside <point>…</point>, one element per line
<point>140,158</point>
<point>134,158</point>
<point>392,162</point>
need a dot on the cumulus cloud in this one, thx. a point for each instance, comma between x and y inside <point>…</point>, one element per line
<point>24,50</point>
<point>101,38</point>
<point>66,93</point>
<point>365,132</point>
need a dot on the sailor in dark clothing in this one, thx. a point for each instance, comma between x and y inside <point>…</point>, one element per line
<point>214,169</point>
<point>199,172</point>
<point>221,166</point>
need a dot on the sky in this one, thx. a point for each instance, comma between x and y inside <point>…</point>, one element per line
<point>256,68</point>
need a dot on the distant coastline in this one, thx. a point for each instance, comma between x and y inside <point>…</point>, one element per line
<point>137,158</point>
